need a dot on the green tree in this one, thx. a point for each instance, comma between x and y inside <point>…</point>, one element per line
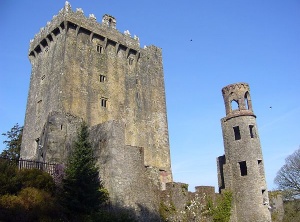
<point>288,177</point>
<point>82,190</point>
<point>13,143</point>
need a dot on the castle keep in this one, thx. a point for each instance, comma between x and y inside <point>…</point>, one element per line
<point>83,70</point>
<point>86,71</point>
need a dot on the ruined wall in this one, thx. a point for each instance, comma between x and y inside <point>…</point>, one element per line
<point>276,205</point>
<point>178,204</point>
<point>123,172</point>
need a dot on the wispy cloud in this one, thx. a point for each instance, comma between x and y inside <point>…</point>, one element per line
<point>281,118</point>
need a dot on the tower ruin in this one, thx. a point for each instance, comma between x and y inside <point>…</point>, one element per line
<point>241,169</point>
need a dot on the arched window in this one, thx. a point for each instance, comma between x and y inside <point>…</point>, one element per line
<point>246,100</point>
<point>234,105</point>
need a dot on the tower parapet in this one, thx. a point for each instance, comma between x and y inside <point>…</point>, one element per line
<point>237,100</point>
<point>66,17</point>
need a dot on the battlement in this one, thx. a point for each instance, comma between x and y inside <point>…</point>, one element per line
<point>234,87</point>
<point>66,18</point>
<point>237,100</point>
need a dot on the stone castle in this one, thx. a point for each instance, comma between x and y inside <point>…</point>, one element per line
<point>83,70</point>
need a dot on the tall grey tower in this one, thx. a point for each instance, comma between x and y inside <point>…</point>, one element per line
<point>241,169</point>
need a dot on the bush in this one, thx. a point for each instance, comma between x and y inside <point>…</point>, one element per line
<point>221,212</point>
<point>9,182</point>
<point>37,179</point>
<point>31,204</point>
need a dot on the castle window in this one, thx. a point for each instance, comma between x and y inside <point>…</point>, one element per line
<point>237,134</point>
<point>260,167</point>
<point>247,100</point>
<point>43,77</point>
<point>243,168</point>
<point>99,49</point>
<point>252,132</point>
<point>102,78</point>
<point>103,102</point>
<point>130,61</point>
<point>38,108</point>
<point>234,105</point>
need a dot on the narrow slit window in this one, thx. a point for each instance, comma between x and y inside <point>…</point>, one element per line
<point>99,49</point>
<point>102,78</point>
<point>237,134</point>
<point>252,132</point>
<point>104,102</point>
<point>130,62</point>
<point>243,168</point>
<point>260,167</point>
<point>264,196</point>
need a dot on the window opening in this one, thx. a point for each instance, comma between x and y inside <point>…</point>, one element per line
<point>130,62</point>
<point>43,77</point>
<point>251,129</point>
<point>237,134</point>
<point>102,78</point>
<point>104,102</point>
<point>234,105</point>
<point>99,49</point>
<point>246,100</point>
<point>260,167</point>
<point>243,168</point>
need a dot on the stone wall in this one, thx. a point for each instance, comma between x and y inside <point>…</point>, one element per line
<point>123,172</point>
<point>92,71</point>
<point>178,204</point>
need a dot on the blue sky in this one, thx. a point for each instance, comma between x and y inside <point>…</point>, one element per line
<point>206,46</point>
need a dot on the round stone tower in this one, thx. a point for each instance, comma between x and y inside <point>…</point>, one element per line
<point>241,168</point>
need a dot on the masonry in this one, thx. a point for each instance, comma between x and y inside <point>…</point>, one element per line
<point>83,70</point>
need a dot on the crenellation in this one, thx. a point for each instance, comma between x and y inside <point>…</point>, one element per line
<point>86,71</point>
<point>79,10</point>
<point>78,19</point>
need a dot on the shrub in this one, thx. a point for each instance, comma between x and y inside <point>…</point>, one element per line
<point>37,179</point>
<point>9,183</point>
